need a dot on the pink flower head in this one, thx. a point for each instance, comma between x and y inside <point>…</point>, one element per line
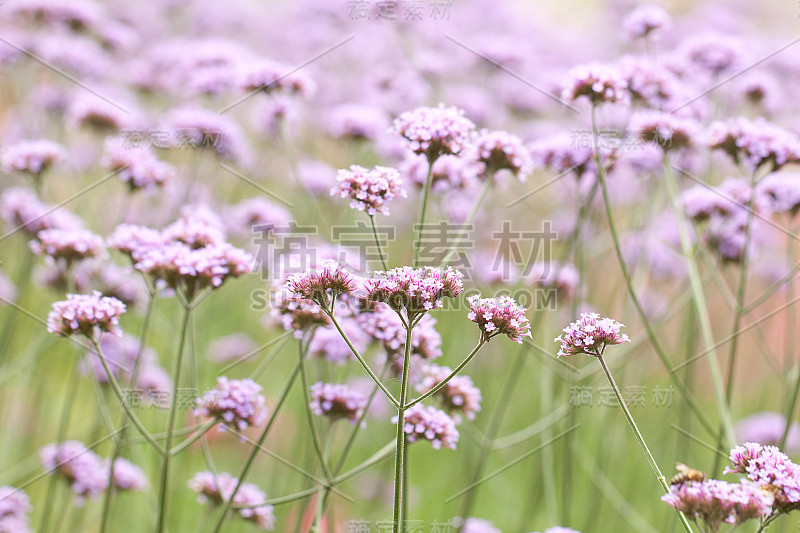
<point>770,469</point>
<point>69,245</point>
<point>598,82</point>
<point>459,396</point>
<point>386,327</point>
<point>14,508</point>
<point>499,316</point>
<point>431,424</point>
<point>322,285</point>
<point>475,525</point>
<point>755,143</point>
<point>415,290</point>
<point>293,314</point>
<point>33,157</point>
<point>435,131</point>
<point>500,150</point>
<point>646,21</point>
<point>274,77</point>
<point>128,476</point>
<point>130,239</point>
<point>138,167</point>
<point>236,403</point>
<point>337,401</point>
<point>327,343</point>
<point>665,130</point>
<point>590,335</point>
<point>85,471</point>
<point>369,190</point>
<point>85,314</point>
<point>216,490</point>
<point>21,208</point>
<point>718,502</point>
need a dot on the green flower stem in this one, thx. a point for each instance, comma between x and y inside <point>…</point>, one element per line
<point>379,456</point>
<point>453,374</point>
<point>701,307</point>
<point>696,409</point>
<point>201,431</point>
<point>789,341</point>
<point>361,360</point>
<point>166,461</point>
<point>424,209</point>
<point>653,465</point>
<point>226,506</point>
<point>398,526</point>
<point>377,242</point>
<point>7,333</point>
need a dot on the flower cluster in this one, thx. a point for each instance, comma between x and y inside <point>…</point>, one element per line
<point>449,172</point>
<point>590,335</point>
<point>218,489</point>
<point>128,476</point>
<point>499,316</point>
<point>500,150</point>
<point>69,245</point>
<point>256,214</point>
<point>85,314</point>
<point>767,427</point>
<point>718,502</point>
<point>33,157</point>
<point>369,190</point>
<point>236,403</point>
<point>138,167</point>
<point>782,190</point>
<point>293,314</point>
<point>415,290</point>
<point>273,77</point>
<point>645,21</point>
<point>327,343</point>
<point>755,143</point>
<point>386,327</point>
<point>564,278</point>
<point>321,285</point>
<point>14,508</point>
<point>21,207</point>
<point>459,395</point>
<point>665,130</point>
<point>770,469</point>
<point>435,131</point>
<point>431,424</point>
<point>598,82</point>
<point>337,401</point>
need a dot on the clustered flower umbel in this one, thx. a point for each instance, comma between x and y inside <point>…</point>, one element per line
<point>431,424</point>
<point>598,82</point>
<point>369,190</point>
<point>14,508</point>
<point>33,157</point>
<point>459,396</point>
<point>718,502</point>
<point>644,21</point>
<point>321,285</point>
<point>216,490</point>
<point>336,401</point>
<point>500,150</point>
<point>86,314</point>
<point>665,130</point>
<point>590,335</point>
<point>86,472</point>
<point>69,245</point>
<point>499,316</point>
<point>137,166</point>
<point>770,469</point>
<point>755,143</point>
<point>435,131</point>
<point>21,207</point>
<point>236,403</point>
<point>414,290</point>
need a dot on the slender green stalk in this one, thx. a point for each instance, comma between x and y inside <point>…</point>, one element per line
<point>201,431</point>
<point>379,456</point>
<point>7,333</point>
<point>629,417</point>
<point>361,360</point>
<point>398,526</point>
<point>444,382</point>
<point>423,211</point>
<point>377,242</point>
<point>166,462</point>
<point>696,409</point>
<point>226,506</point>
<point>789,342</point>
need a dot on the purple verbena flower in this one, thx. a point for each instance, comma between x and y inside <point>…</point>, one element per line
<point>431,424</point>
<point>500,150</point>
<point>646,21</point>
<point>216,490</point>
<point>14,509</point>
<point>460,397</point>
<point>128,476</point>
<point>434,131</point>
<point>236,403</point>
<point>665,130</point>
<point>369,190</point>
<point>69,245</point>
<point>85,314</point>
<point>598,82</point>
<point>718,502</point>
<point>336,401</point>
<point>499,316</point>
<point>33,157</point>
<point>415,290</point>
<point>321,285</point>
<point>590,335</point>
<point>85,471</point>
<point>755,143</point>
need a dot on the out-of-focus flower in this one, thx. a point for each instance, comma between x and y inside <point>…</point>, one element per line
<point>231,347</point>
<point>499,316</point>
<point>357,121</point>
<point>128,476</point>
<point>650,84</point>
<point>295,314</point>
<point>755,143</point>
<point>435,131</point>
<point>316,177</point>
<point>460,397</point>
<point>500,150</point>
<point>79,16</point>
<point>712,52</point>
<point>14,508</point>
<point>646,21</point>
<point>236,402</point>
<point>415,290</point>
<point>272,77</point>
<point>369,190</point>
<point>717,502</point>
<point>136,166</point>
<point>598,82</point>
<point>475,525</point>
<point>68,245</point>
<point>85,471</point>
<point>449,172</point>
<point>21,207</point>
<point>767,427</point>
<point>336,401</point>
<point>202,129</point>
<point>384,325</point>
<point>216,490</point>
<point>85,314</point>
<point>101,115</point>
<point>665,130</point>
<point>256,215</point>
<point>569,153</point>
<point>33,157</point>
<point>563,277</point>
<point>782,190</point>
<point>327,343</point>
<point>590,335</point>
<point>431,424</point>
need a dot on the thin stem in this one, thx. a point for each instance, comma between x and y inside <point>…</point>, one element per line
<point>653,465</point>
<point>377,242</point>
<point>398,526</point>
<point>789,343</point>
<point>226,506</point>
<point>453,374</point>
<point>201,431</point>
<point>696,409</point>
<point>361,360</point>
<point>7,333</point>
<point>166,463</point>
<point>426,194</point>
<point>382,454</point>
